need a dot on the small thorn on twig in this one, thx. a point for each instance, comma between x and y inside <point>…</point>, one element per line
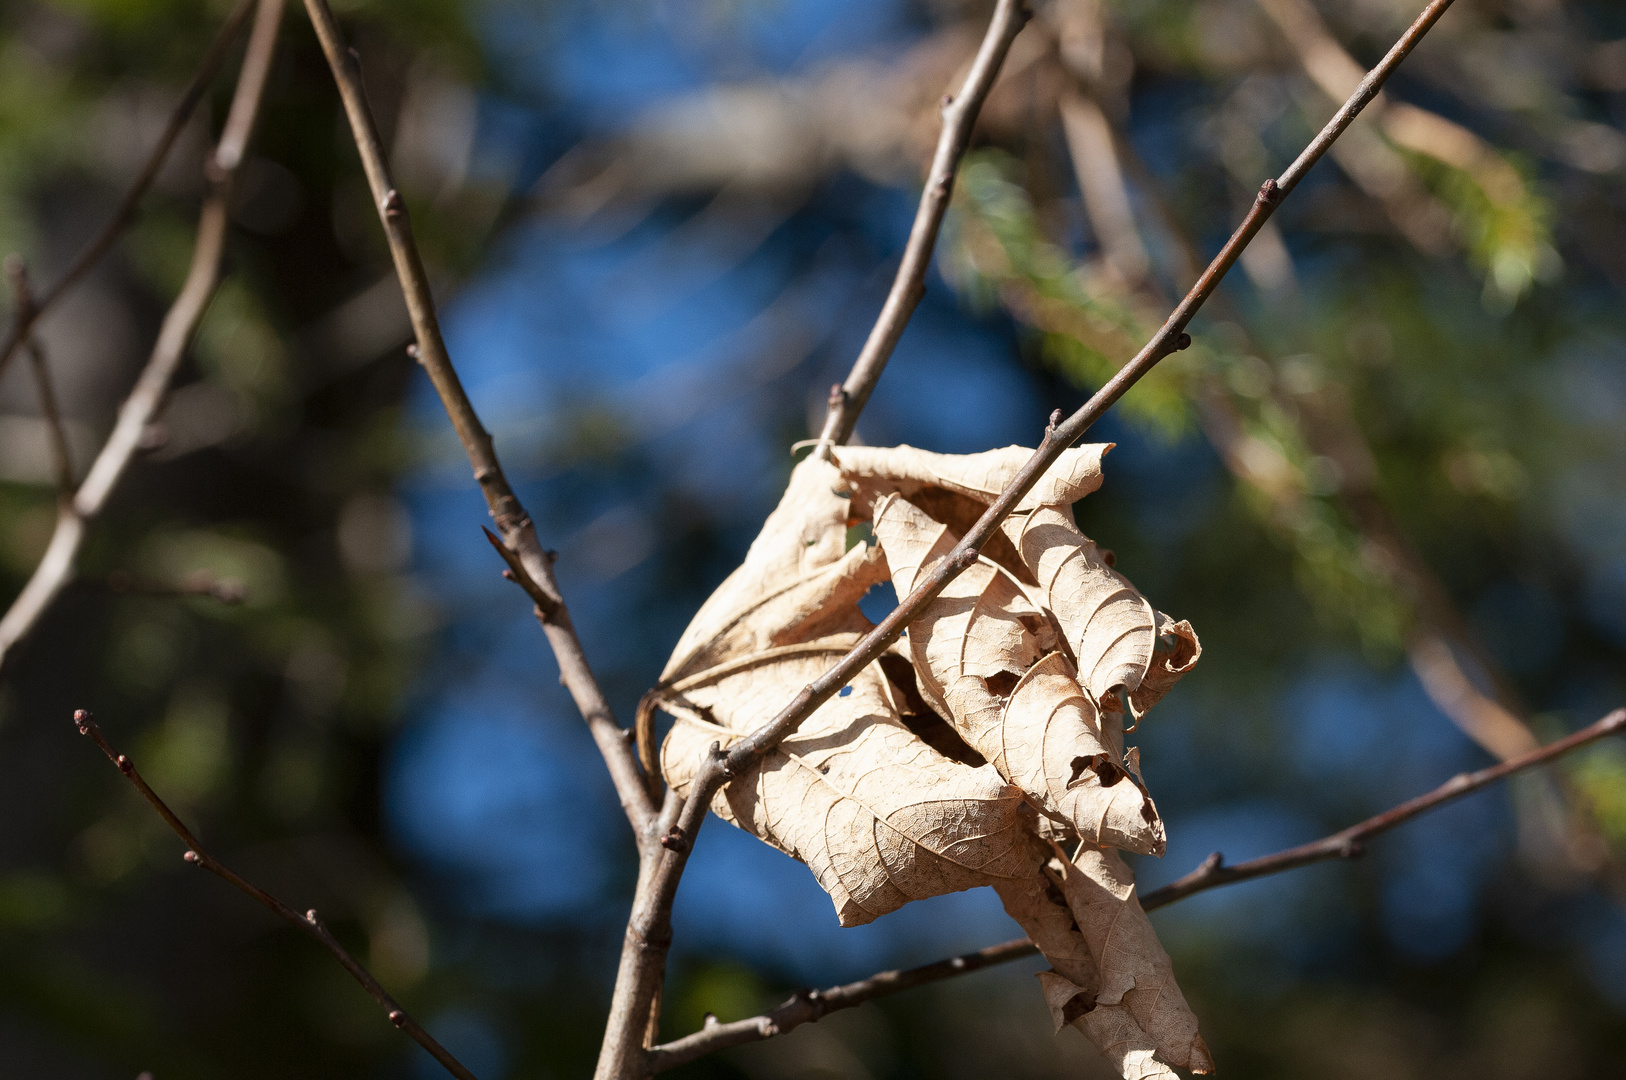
<point>394,206</point>
<point>310,917</point>
<point>1055,421</point>
<point>1212,863</point>
<point>398,1018</point>
<point>193,857</point>
<point>509,574</point>
<point>709,1021</point>
<point>674,840</point>
<point>414,352</point>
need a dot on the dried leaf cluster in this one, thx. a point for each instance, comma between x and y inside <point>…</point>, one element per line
<point>982,749</point>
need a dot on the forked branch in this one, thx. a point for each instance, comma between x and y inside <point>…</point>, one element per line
<point>309,922</point>
<point>807,1006</point>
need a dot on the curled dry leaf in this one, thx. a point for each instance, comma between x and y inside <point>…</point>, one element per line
<point>1134,971</point>
<point>977,651</point>
<point>879,816</point>
<point>966,753</point>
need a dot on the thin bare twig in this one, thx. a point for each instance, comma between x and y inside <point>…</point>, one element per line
<point>1348,844</point>
<point>531,565</point>
<point>56,568</point>
<point>22,324</point>
<point>308,921</point>
<point>807,1006</point>
<point>22,296</point>
<point>959,117</point>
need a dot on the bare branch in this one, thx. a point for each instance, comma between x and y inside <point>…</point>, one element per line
<point>1349,843</point>
<point>145,399</point>
<point>807,1006</point>
<point>959,117</point>
<point>22,324</point>
<point>530,564</point>
<point>22,295</point>
<point>309,922</point>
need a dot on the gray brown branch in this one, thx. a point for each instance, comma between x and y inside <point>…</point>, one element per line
<point>532,565</point>
<point>141,406</point>
<point>909,285</point>
<point>807,1006</point>
<point>22,323</point>
<point>309,922</point>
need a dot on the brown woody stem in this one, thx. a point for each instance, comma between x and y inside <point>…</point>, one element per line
<point>530,564</point>
<point>309,922</point>
<point>805,1007</point>
<point>909,285</point>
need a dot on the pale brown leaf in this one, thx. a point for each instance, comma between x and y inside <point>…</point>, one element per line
<point>881,470</point>
<point>1135,972</point>
<point>880,817</point>
<point>1108,625</point>
<point>978,659</point>
<point>798,580</point>
<point>1177,652</point>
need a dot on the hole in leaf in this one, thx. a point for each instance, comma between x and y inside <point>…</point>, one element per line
<point>878,603</point>
<point>1001,683</point>
<point>1077,1006</point>
<point>844,691</point>
<point>919,718</point>
<point>1099,764</point>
